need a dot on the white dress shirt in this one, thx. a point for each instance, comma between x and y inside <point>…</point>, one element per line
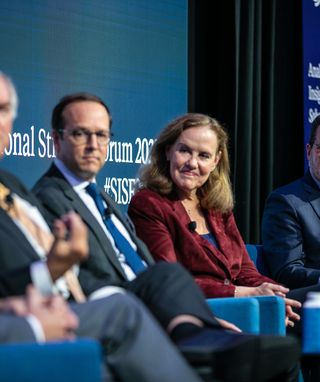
<point>79,187</point>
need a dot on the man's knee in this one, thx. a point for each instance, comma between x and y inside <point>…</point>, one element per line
<point>170,269</point>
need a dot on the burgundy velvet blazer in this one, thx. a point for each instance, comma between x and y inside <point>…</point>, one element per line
<point>162,223</point>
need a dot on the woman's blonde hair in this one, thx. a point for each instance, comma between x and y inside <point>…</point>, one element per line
<point>216,193</point>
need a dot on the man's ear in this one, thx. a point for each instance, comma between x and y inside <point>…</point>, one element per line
<point>308,150</point>
<point>56,140</point>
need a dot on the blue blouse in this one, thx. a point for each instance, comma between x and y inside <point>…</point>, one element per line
<point>211,239</point>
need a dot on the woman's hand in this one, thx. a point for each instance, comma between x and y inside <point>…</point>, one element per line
<point>291,316</point>
<point>265,289</point>
<point>269,289</point>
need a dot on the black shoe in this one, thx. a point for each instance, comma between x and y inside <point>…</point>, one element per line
<point>230,356</point>
<point>237,357</point>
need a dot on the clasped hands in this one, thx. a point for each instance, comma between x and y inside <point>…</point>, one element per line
<point>279,290</point>
<point>269,289</point>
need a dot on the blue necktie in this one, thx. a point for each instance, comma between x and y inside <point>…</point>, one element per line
<point>132,258</point>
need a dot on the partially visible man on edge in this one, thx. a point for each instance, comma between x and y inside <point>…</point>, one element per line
<point>81,129</point>
<point>133,341</point>
<point>291,224</point>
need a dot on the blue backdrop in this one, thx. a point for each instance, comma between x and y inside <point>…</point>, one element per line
<point>311,63</point>
<point>132,53</point>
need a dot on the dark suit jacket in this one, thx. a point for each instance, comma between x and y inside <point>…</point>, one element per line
<point>103,267</point>
<point>291,233</point>
<point>15,249</point>
<point>162,223</point>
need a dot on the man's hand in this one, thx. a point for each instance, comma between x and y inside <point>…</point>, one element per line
<point>228,325</point>
<point>16,305</point>
<point>57,320</point>
<point>70,245</point>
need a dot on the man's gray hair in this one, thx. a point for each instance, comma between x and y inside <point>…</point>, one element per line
<point>13,94</point>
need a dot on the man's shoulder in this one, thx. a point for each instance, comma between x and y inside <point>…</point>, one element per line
<point>296,187</point>
<point>50,181</point>
<point>11,181</point>
<point>296,194</point>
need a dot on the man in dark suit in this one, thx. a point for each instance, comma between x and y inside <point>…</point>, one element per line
<point>127,331</point>
<point>291,224</point>
<point>81,126</point>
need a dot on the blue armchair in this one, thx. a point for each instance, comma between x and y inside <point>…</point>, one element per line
<point>256,315</point>
<point>243,312</point>
<point>264,315</point>
<point>51,362</point>
<point>255,252</point>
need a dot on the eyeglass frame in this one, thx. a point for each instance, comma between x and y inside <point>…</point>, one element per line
<point>87,135</point>
<point>317,147</point>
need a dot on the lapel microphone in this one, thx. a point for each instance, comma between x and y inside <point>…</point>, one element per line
<point>107,212</point>
<point>192,226</point>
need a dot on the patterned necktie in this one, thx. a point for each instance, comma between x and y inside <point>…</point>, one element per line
<point>44,239</point>
<point>132,257</point>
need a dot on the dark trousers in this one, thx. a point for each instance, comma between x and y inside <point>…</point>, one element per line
<point>168,290</point>
<point>243,357</point>
<point>300,294</point>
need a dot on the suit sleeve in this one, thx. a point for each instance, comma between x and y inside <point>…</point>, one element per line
<point>283,244</point>
<point>14,282</point>
<point>54,205</point>
<point>247,275</point>
<point>15,329</point>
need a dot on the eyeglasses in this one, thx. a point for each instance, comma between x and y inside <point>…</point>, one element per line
<point>5,109</point>
<point>82,136</point>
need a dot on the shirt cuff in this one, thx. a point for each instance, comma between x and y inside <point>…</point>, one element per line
<point>41,278</point>
<point>105,292</point>
<point>36,328</point>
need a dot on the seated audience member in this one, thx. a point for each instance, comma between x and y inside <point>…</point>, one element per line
<point>81,126</point>
<point>183,211</point>
<point>290,224</point>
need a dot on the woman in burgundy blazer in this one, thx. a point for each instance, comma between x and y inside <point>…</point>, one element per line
<point>183,211</point>
<point>165,226</point>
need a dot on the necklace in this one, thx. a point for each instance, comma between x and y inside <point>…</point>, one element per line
<point>196,216</point>
<point>192,210</point>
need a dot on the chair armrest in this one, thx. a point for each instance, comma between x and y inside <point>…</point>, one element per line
<point>272,315</point>
<point>243,312</point>
<point>78,361</point>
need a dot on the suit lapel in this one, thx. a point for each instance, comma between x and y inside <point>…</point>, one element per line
<point>7,225</point>
<point>312,192</point>
<point>141,249</point>
<point>94,226</point>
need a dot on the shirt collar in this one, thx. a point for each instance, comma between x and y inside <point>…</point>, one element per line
<point>314,178</point>
<point>77,183</point>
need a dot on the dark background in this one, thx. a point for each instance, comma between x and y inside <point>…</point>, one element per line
<point>245,69</point>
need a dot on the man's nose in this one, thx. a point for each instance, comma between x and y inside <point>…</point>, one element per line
<point>92,140</point>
